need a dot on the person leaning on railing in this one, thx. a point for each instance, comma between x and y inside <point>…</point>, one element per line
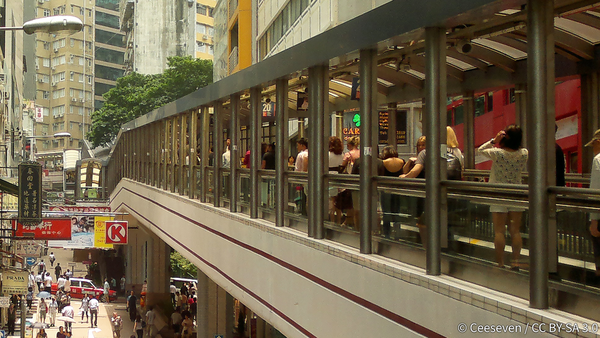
<point>509,160</point>
<point>595,184</point>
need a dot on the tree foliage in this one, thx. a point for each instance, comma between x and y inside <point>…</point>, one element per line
<point>181,267</point>
<point>138,94</point>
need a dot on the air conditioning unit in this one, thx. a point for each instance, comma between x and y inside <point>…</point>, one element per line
<point>37,67</point>
<point>205,37</point>
<point>82,100</point>
<point>41,1</point>
<point>74,99</point>
<point>55,50</point>
<point>41,80</point>
<point>53,68</point>
<point>54,84</point>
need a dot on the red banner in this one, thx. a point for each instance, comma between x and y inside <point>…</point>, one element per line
<point>50,228</point>
<point>79,209</point>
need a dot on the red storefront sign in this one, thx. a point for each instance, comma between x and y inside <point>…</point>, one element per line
<point>49,228</point>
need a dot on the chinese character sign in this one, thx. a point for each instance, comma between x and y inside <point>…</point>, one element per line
<point>30,193</point>
<point>49,228</point>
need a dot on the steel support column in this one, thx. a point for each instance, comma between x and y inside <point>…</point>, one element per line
<point>234,163</point>
<point>204,147</point>
<point>281,116</point>
<point>369,131</point>
<point>255,159</point>
<point>391,110</point>
<point>218,148</point>
<point>320,150</point>
<point>540,85</point>
<point>590,113</point>
<point>521,108</point>
<point>173,152</point>
<point>435,111</point>
<point>318,88</point>
<point>193,137</point>
<point>182,154</point>
<point>165,154</point>
<point>469,133</point>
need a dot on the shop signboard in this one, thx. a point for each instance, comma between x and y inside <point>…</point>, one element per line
<point>100,232</point>
<point>30,193</point>
<point>82,226</point>
<point>14,282</point>
<point>28,248</point>
<point>48,228</point>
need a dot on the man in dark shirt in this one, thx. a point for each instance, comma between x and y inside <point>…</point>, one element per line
<point>268,160</point>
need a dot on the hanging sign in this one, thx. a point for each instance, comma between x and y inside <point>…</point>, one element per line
<point>30,193</point>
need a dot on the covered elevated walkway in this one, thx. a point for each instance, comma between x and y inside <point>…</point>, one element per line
<point>309,276</point>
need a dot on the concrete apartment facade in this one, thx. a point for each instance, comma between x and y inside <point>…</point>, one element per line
<point>155,31</point>
<point>72,72</point>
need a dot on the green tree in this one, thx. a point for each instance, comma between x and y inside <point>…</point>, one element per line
<point>137,94</point>
<point>181,267</point>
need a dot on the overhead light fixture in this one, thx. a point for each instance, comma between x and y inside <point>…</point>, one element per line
<point>401,65</point>
<point>464,47</point>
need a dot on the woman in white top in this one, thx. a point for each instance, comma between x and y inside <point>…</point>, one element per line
<point>509,160</point>
<point>336,148</point>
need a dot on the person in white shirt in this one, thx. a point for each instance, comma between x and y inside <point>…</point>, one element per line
<point>173,290</point>
<point>150,315</point>
<point>39,279</point>
<point>595,184</point>
<point>106,290</point>
<point>509,160</point>
<point>48,282</point>
<point>31,281</point>
<point>68,311</point>
<point>60,283</point>
<point>67,284</point>
<point>302,158</point>
<point>85,306</point>
<point>52,259</point>
<point>93,306</point>
<point>53,309</point>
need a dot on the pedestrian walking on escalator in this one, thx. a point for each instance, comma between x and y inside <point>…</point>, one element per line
<point>594,228</point>
<point>509,160</point>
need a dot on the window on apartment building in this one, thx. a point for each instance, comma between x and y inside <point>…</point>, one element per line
<point>62,9</point>
<point>81,78</point>
<point>200,47</point>
<point>200,28</point>
<point>108,73</point>
<point>101,88</point>
<point>211,12</point>
<point>71,92</point>
<point>46,62</point>
<point>80,92</point>
<point>45,94</point>
<point>109,38</point>
<point>58,111</point>
<point>110,55</point>
<point>210,31</point>
<point>106,19</point>
<point>46,45</point>
<point>89,78</point>
<point>81,12</point>
<point>72,9</point>
<point>89,62</point>
<point>108,4</point>
<point>56,11</point>
<point>80,111</point>
<point>72,77</point>
<point>44,129</point>
<point>201,9</point>
<point>46,112</point>
<point>46,12</point>
<point>45,78</point>
<point>211,50</point>
<point>57,94</point>
<point>71,109</point>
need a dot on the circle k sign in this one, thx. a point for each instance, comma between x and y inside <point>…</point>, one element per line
<point>116,232</point>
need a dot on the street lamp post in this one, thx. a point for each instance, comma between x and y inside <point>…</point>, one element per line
<point>50,24</point>
<point>33,138</point>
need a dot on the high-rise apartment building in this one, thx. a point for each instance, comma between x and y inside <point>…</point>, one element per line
<point>205,32</point>
<point>234,36</point>
<point>72,72</point>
